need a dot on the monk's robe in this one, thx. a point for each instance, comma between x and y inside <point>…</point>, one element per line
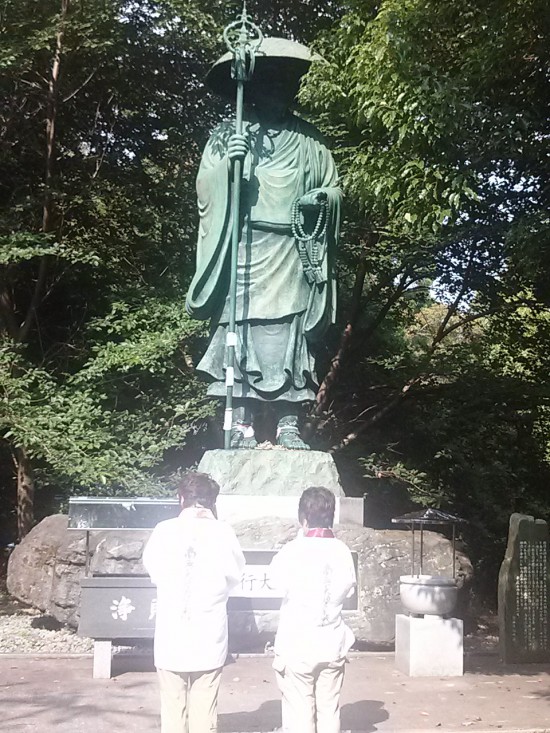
<point>279,313</point>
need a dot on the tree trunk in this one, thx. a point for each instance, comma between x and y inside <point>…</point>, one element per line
<point>25,493</point>
<point>25,481</point>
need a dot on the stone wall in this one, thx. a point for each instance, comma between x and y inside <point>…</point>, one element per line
<point>46,568</point>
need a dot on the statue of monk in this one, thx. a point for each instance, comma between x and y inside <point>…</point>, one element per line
<point>289,220</point>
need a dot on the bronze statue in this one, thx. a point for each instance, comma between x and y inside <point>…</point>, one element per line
<point>287,232</point>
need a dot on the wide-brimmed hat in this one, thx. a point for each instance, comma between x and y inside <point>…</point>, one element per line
<point>294,59</point>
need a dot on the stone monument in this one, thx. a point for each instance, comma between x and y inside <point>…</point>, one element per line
<point>269,210</point>
<point>523,593</point>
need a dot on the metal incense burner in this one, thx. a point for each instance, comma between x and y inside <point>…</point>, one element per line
<point>423,594</point>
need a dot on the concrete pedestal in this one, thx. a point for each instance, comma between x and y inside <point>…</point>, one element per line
<point>429,646</point>
<point>234,508</point>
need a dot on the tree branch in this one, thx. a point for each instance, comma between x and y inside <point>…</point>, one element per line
<point>336,361</point>
<point>402,285</point>
<point>24,329</point>
<point>78,89</point>
<point>355,309</point>
<point>396,400</point>
<point>453,307</point>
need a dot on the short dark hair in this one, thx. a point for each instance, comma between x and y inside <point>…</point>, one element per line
<point>317,506</point>
<point>198,488</point>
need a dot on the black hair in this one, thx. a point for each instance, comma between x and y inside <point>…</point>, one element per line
<point>317,506</point>
<point>198,488</point>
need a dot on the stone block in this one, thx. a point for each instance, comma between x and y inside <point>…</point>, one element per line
<point>31,566</point>
<point>277,472</point>
<point>102,660</point>
<point>429,646</point>
<point>119,553</point>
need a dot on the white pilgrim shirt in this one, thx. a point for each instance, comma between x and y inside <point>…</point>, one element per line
<point>315,575</point>
<point>194,560</point>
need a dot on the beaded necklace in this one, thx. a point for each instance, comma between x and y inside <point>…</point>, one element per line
<point>309,255</point>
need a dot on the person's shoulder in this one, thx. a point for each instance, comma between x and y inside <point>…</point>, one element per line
<point>223,529</point>
<point>167,524</point>
<point>166,527</point>
<point>341,547</point>
<point>223,526</point>
<point>290,547</point>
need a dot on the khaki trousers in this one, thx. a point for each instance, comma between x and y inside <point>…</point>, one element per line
<point>189,701</point>
<point>311,696</point>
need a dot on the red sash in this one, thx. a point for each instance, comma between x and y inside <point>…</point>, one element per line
<point>319,532</point>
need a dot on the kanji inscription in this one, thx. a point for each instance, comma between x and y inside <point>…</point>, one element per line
<point>523,592</point>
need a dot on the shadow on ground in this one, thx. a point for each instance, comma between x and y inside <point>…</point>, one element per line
<point>362,715</point>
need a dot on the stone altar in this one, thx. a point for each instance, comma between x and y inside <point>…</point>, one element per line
<point>45,570</point>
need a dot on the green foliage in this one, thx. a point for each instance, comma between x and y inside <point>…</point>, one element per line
<point>439,114</point>
<point>100,137</point>
<point>100,386</point>
<point>112,420</point>
<point>24,246</point>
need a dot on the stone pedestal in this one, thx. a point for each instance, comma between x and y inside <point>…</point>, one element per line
<point>276,472</point>
<point>429,646</point>
<point>261,483</point>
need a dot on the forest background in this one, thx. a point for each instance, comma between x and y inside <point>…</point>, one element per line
<point>435,387</point>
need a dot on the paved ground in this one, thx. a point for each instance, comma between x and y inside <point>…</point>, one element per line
<point>59,694</point>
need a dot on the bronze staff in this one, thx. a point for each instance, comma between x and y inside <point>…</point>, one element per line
<point>243,38</point>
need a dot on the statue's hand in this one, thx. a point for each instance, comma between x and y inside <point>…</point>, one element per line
<point>312,200</point>
<point>237,148</point>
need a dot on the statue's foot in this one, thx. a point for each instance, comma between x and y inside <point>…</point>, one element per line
<point>242,436</point>
<point>290,438</point>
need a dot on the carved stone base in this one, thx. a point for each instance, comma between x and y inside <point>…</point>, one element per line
<point>262,483</point>
<point>47,567</point>
<point>277,472</point>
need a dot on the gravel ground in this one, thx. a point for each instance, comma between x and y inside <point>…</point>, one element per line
<point>25,630</point>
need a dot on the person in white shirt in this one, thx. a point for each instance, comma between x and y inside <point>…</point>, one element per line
<point>315,574</point>
<point>195,561</point>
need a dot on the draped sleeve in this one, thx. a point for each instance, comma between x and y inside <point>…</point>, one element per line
<point>208,288</point>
